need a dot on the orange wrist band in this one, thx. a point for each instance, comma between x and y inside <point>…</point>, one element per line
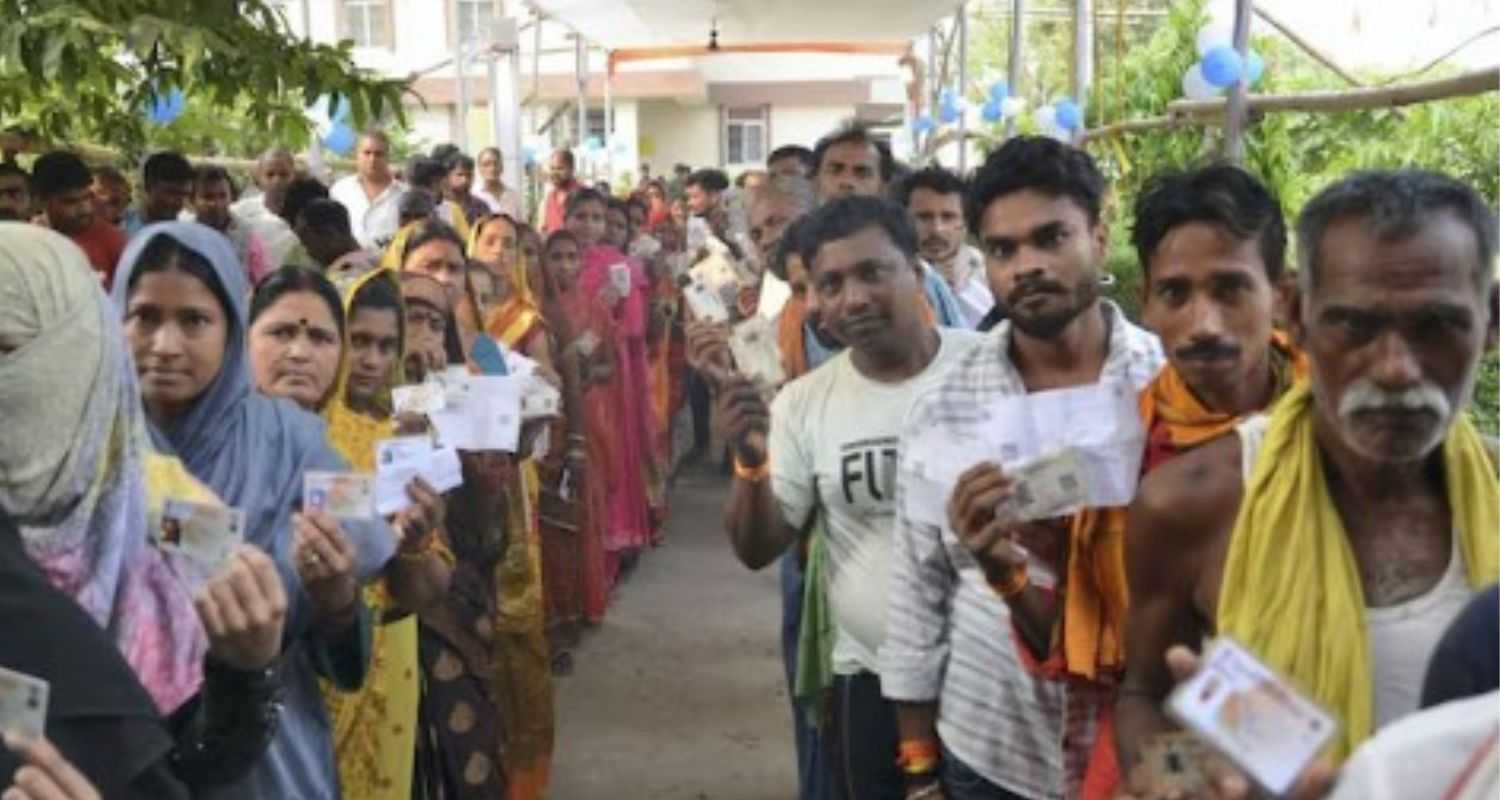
<point>918,757</point>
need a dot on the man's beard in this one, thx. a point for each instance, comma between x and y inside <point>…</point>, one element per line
<point>1050,324</point>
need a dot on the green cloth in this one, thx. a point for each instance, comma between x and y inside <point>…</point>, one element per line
<point>815,639</point>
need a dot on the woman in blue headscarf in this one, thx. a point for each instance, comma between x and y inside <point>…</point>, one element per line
<point>182,294</point>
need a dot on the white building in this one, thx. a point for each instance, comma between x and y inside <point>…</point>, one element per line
<point>721,109</point>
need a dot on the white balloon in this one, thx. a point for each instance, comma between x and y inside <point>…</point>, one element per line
<point>1013,106</point>
<point>1215,34</point>
<point>1197,87</point>
<point>1046,117</point>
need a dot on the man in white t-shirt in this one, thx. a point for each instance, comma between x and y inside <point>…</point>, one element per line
<point>372,194</point>
<point>935,198</point>
<point>826,451</point>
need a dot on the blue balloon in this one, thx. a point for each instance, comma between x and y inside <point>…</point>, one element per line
<point>923,124</point>
<point>1069,115</point>
<point>340,139</point>
<point>1254,66</point>
<point>999,92</point>
<point>1222,66</point>
<point>992,111</point>
<point>166,108</point>
<point>594,143</point>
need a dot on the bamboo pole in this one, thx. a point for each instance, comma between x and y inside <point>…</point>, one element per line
<point>1236,113</point>
<point>1464,85</point>
<point>1142,126</point>
<point>1013,71</point>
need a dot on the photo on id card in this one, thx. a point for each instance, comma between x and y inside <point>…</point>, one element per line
<point>204,532</point>
<point>346,495</point>
<point>1252,716</point>
<point>23,704</point>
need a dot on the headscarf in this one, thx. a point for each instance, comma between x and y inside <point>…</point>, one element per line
<point>72,461</point>
<point>512,321</point>
<point>249,448</point>
<point>354,434</point>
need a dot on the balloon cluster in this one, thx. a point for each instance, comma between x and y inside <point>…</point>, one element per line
<point>165,108</point>
<point>1220,66</point>
<point>1060,120</point>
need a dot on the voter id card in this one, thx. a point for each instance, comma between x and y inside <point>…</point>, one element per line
<point>1252,716</point>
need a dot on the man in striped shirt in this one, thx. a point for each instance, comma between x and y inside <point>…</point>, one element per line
<point>978,718</point>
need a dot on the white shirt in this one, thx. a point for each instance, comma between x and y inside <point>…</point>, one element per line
<point>507,203</point>
<point>1447,751</point>
<point>970,285</point>
<point>833,447</point>
<point>274,232</point>
<point>374,221</point>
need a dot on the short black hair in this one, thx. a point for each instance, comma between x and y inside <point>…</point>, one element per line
<point>293,279</point>
<point>59,172</point>
<point>1038,163</point>
<point>212,173</point>
<point>1394,204</point>
<point>1220,194</point>
<point>425,172</point>
<point>300,193</point>
<point>846,216</point>
<point>459,160</point>
<point>934,179</point>
<point>166,167</point>
<point>583,195</point>
<point>856,133</point>
<point>326,215</point>
<point>796,151</point>
<point>708,179</point>
<point>444,152</point>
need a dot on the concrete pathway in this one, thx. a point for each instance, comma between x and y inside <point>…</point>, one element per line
<point>679,695</point>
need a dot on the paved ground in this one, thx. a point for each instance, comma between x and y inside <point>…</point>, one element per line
<point>679,695</point>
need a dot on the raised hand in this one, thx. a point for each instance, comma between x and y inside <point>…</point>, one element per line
<point>243,608</point>
<point>325,561</point>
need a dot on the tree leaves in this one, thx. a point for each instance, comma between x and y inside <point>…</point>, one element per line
<point>84,70</point>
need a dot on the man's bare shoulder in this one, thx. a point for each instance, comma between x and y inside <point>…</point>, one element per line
<point>1187,499</point>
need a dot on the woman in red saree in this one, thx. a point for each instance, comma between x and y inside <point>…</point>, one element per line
<point>603,275</point>
<point>585,356</point>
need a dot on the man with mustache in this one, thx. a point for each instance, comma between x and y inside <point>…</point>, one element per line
<point>1337,537</point>
<point>987,709</point>
<point>15,193</point>
<point>825,454</point>
<point>935,198</point>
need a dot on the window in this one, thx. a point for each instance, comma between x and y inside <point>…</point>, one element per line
<point>745,135</point>
<point>476,20</point>
<point>366,22</point>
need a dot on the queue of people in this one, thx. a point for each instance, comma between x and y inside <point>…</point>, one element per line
<point>1292,468</point>
<point>204,348</point>
<point>1280,457</point>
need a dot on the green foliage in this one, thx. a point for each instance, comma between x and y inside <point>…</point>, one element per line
<point>85,71</point>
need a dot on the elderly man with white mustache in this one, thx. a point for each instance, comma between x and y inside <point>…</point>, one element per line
<point>1338,535</point>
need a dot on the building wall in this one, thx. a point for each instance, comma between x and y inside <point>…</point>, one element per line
<point>805,125</point>
<point>671,134</point>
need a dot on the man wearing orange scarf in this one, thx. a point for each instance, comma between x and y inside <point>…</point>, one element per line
<point>1212,244</point>
<point>1337,537</point>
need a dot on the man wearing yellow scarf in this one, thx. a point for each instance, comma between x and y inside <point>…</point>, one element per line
<point>1337,537</point>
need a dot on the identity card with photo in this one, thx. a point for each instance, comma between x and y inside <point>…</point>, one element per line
<point>1252,716</point>
<point>207,533</point>
<point>23,704</point>
<point>346,495</point>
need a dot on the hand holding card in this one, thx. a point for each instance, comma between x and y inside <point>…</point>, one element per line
<point>23,704</point>
<point>243,609</point>
<point>47,774</point>
<point>325,562</point>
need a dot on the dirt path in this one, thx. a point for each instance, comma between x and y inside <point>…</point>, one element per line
<point>679,695</point>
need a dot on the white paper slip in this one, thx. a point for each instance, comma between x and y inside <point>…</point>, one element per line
<point>419,398</point>
<point>23,704</point>
<point>707,305</point>
<point>756,353</point>
<point>517,363</point>
<point>346,495</point>
<point>402,450</point>
<point>1252,716</point>
<point>1046,488</point>
<point>203,532</point>
<point>487,418</point>
<point>774,294</point>
<point>619,278</point>
<point>440,467</point>
<point>644,247</point>
<point>540,400</point>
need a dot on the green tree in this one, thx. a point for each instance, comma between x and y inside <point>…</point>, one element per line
<point>86,70</point>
